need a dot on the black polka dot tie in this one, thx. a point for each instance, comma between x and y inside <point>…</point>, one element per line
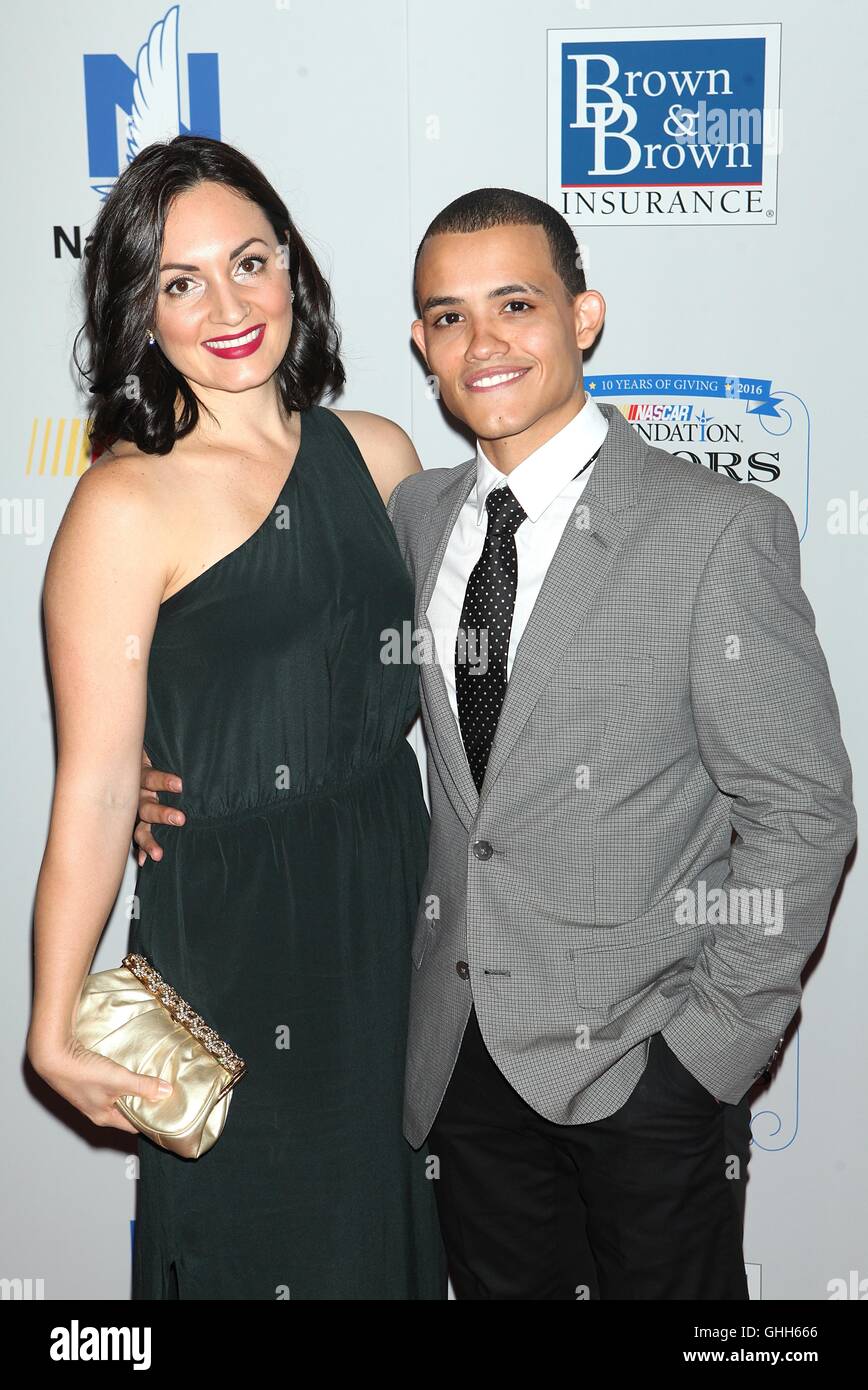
<point>482,643</point>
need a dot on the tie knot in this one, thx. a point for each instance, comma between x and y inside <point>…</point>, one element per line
<point>505,512</point>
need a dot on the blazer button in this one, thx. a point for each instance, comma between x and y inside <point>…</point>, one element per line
<point>482,849</point>
<point>463,969</point>
<point>766,1071</point>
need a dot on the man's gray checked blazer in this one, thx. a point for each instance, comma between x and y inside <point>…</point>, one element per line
<point>669,688</point>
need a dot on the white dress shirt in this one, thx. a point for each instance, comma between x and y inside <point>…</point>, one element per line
<point>547,488</point>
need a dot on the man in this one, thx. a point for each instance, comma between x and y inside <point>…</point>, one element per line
<point>626,672</point>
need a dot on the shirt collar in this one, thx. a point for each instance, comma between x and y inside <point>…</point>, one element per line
<point>544,474</point>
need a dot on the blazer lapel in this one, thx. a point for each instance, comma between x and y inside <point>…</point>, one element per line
<point>444,726</point>
<point>583,557</point>
<point>586,551</point>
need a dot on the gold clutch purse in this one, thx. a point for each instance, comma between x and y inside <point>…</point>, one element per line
<point>132,1016</point>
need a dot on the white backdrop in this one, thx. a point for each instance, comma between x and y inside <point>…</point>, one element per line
<point>742,326</point>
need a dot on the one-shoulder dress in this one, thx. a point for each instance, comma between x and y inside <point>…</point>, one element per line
<point>283,909</point>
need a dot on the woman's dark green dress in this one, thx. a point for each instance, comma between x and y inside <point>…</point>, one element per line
<point>283,909</point>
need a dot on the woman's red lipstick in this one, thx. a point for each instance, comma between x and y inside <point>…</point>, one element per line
<point>237,344</point>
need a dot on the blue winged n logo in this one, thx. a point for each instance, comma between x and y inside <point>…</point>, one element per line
<point>151,98</point>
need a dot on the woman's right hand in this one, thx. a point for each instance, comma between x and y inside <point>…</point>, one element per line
<point>92,1083</point>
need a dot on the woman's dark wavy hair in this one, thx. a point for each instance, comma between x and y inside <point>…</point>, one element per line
<point>121,275</point>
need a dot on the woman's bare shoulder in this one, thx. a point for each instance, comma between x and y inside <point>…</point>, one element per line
<point>123,480</point>
<point>124,475</point>
<point>115,510</point>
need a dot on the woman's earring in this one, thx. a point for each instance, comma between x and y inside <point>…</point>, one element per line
<point>151,339</point>
<point>291,296</point>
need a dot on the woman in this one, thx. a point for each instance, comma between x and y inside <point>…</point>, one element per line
<point>220,585</point>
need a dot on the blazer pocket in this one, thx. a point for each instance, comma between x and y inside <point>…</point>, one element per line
<point>618,968</point>
<point>589,702</point>
<point>599,671</point>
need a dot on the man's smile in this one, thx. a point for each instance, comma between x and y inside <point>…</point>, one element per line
<point>495,380</point>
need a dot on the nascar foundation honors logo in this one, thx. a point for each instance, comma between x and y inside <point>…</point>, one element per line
<point>666,125</point>
<point>735,425</point>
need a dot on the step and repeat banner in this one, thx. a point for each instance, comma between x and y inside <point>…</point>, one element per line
<point>708,158</point>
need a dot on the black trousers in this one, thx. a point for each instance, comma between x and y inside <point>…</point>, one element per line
<point>647,1203</point>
